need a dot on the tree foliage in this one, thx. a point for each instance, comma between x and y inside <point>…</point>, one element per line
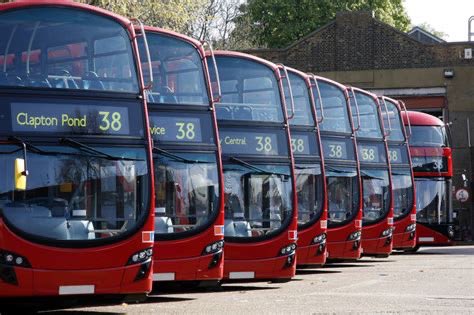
<point>277,23</point>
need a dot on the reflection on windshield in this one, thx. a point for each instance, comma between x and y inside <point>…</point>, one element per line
<point>309,189</point>
<point>250,91</point>
<point>432,200</point>
<point>376,194</point>
<point>343,194</point>
<point>402,192</point>
<point>428,136</point>
<point>73,195</point>
<point>336,117</point>
<point>177,70</point>
<point>369,119</point>
<point>256,203</point>
<point>186,191</point>
<point>65,49</point>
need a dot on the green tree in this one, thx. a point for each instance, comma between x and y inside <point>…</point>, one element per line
<point>176,15</point>
<point>277,23</point>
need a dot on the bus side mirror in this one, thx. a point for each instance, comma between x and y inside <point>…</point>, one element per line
<point>20,174</point>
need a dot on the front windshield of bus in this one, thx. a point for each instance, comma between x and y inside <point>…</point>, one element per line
<point>369,118</point>
<point>73,194</point>
<point>303,115</point>
<point>396,133</point>
<point>375,194</point>
<point>258,203</point>
<point>432,200</point>
<point>250,91</point>
<point>309,189</point>
<point>343,194</point>
<point>402,192</point>
<point>336,116</point>
<point>60,48</point>
<point>428,136</point>
<point>186,191</point>
<point>177,71</point>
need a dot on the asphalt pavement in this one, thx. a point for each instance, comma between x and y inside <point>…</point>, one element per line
<point>431,281</point>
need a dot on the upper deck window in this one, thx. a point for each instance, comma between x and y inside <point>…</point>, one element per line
<point>250,91</point>
<point>303,115</point>
<point>428,136</point>
<point>369,118</point>
<point>336,117</point>
<point>177,70</point>
<point>393,115</point>
<point>48,47</point>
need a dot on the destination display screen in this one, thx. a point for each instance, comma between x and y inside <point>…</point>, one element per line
<point>71,118</point>
<point>371,153</point>
<point>304,143</point>
<point>338,149</point>
<point>264,142</point>
<point>189,128</point>
<point>398,155</point>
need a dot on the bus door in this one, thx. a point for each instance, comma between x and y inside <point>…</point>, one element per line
<point>341,171</point>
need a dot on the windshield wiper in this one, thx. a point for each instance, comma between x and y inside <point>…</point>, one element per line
<point>256,168</point>
<point>97,153</point>
<point>177,157</point>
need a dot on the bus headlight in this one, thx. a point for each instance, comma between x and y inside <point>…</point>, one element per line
<point>411,227</point>
<point>321,238</point>
<point>140,256</point>
<point>355,236</point>
<point>13,259</point>
<point>450,231</point>
<point>386,233</point>
<point>288,249</point>
<point>213,248</point>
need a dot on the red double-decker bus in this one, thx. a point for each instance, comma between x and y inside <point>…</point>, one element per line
<point>403,185</point>
<point>377,218</point>
<point>75,205</point>
<point>341,170</point>
<point>259,186</point>
<point>433,169</point>
<point>309,170</point>
<point>189,208</point>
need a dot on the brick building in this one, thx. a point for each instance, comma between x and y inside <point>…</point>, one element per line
<point>432,76</point>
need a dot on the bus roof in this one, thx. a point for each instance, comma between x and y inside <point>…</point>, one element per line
<point>228,53</point>
<point>421,119</point>
<point>183,37</point>
<point>22,4</point>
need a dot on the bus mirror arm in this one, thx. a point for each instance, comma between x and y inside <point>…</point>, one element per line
<point>218,98</point>
<point>148,86</point>
<point>407,117</point>
<point>387,133</point>
<point>357,110</point>
<point>290,90</point>
<point>316,84</point>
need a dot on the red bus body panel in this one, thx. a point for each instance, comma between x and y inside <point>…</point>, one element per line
<point>183,258</point>
<point>262,257</point>
<point>103,267</point>
<point>426,235</point>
